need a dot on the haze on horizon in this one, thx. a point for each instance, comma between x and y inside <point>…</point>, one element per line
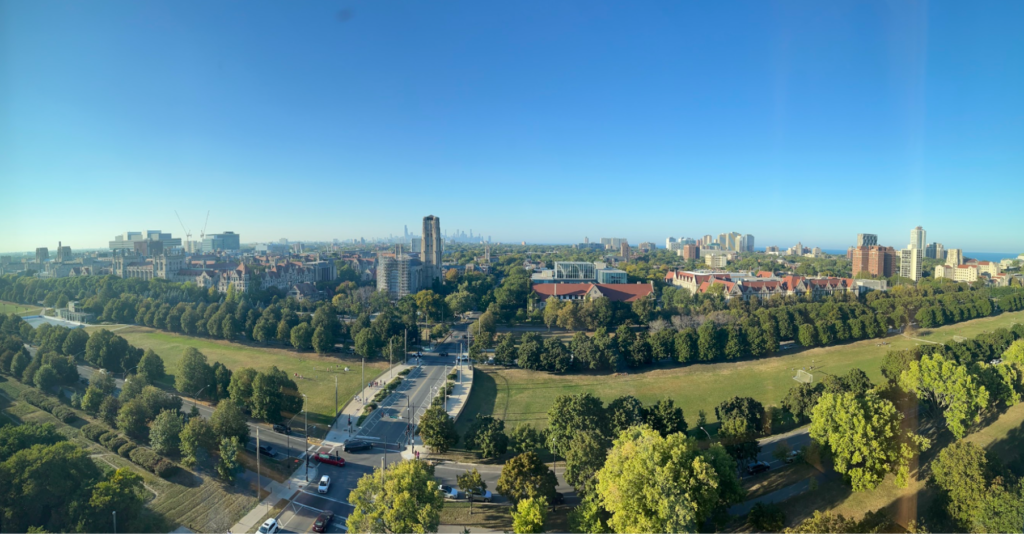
<point>524,121</point>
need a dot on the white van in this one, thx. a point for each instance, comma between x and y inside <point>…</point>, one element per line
<point>325,484</point>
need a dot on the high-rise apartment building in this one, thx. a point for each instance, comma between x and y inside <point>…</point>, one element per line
<point>624,250</point>
<point>42,254</point>
<point>875,260</point>
<point>867,240</point>
<point>706,240</point>
<point>911,262</point>
<point>689,252</point>
<point>954,257</point>
<point>935,251</point>
<point>669,241</point>
<point>401,274</point>
<point>918,238</point>
<point>748,242</point>
<point>432,248</point>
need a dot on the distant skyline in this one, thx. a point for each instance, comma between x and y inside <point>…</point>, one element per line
<point>544,122</point>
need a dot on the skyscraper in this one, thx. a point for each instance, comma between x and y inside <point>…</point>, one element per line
<point>917,238</point>
<point>954,257</point>
<point>432,247</point>
<point>867,240</point>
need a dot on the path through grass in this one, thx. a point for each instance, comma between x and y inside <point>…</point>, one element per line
<point>20,309</point>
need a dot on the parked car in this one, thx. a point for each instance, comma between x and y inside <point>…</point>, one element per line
<point>559,498</point>
<point>356,445</point>
<point>268,527</point>
<point>267,450</point>
<point>477,495</point>
<point>323,521</point>
<point>446,489</point>
<point>325,484</point>
<point>452,494</point>
<point>758,467</point>
<point>282,429</point>
<point>792,456</point>
<point>329,459</point>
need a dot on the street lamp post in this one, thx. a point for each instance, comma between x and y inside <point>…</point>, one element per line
<point>305,433</point>
<point>194,397</point>
<point>706,432</point>
<point>115,520</point>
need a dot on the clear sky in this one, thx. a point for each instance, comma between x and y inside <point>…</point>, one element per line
<point>536,121</point>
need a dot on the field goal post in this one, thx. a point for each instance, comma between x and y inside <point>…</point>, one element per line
<point>803,377</point>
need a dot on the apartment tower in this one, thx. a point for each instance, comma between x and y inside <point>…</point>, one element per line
<point>432,247</point>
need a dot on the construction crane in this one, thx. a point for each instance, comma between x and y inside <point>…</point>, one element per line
<point>188,233</point>
<point>202,235</point>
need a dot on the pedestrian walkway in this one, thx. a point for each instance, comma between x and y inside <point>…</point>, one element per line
<point>456,404</point>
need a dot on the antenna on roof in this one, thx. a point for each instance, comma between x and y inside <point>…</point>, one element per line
<point>188,233</point>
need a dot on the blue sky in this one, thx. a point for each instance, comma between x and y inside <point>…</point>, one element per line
<point>536,121</point>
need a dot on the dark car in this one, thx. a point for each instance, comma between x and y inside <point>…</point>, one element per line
<point>758,467</point>
<point>323,521</point>
<point>443,354</point>
<point>356,445</point>
<point>559,498</point>
<point>267,450</point>
<point>282,429</point>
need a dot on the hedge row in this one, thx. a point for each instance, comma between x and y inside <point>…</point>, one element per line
<point>123,447</point>
<point>43,402</point>
<point>404,372</point>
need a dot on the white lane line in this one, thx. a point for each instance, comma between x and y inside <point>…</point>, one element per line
<point>322,496</point>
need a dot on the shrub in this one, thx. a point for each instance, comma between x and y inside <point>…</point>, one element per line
<point>64,414</point>
<point>115,444</point>
<point>164,468</point>
<point>453,375</point>
<point>107,437</point>
<point>126,449</point>
<point>767,517</point>
<point>144,457</point>
<point>48,404</point>
<point>93,431</point>
<point>404,372</point>
<point>33,397</point>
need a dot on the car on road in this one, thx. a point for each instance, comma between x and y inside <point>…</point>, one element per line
<point>323,521</point>
<point>446,489</point>
<point>269,526</point>
<point>329,459</point>
<point>353,445</point>
<point>443,354</point>
<point>282,429</point>
<point>792,456</point>
<point>758,467</point>
<point>325,484</point>
<point>559,498</point>
<point>452,494</point>
<point>267,450</point>
<point>484,496</point>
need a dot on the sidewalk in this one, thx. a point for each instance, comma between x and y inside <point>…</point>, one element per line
<point>456,404</point>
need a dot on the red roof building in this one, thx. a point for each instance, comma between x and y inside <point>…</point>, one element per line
<point>612,292</point>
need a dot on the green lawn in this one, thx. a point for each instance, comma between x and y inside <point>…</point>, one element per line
<point>520,396</point>
<point>20,309</point>
<point>319,372</point>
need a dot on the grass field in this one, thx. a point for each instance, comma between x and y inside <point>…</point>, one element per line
<point>319,372</point>
<point>520,396</point>
<point>20,309</point>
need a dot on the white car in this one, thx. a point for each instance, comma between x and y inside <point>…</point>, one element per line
<point>268,527</point>
<point>325,484</point>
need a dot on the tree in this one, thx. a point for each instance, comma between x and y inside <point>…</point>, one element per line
<point>948,386</point>
<point>240,387</point>
<point>437,429</point>
<point>624,412</point>
<point>530,515</point>
<point>46,378</point>
<point>165,432</point>
<point>746,408</point>
<point>767,517</point>
<point>865,438</point>
<point>487,434</point>
<point>552,306</point>
<point>74,344</point>
<point>47,487</point>
<point>15,438</point>
<point>572,414</point>
<point>429,304</point>
<point>587,452</point>
<point>302,336</point>
<point>121,492</point>
<point>131,419</point>
<point>221,381</point>
<point>20,362</point>
<point>801,399</point>
<point>529,352</point>
<point>643,308</point>
<point>1001,511</point>
<point>959,471</point>
<point>505,351</point>
<point>666,418</point>
<point>525,438</point>
<point>525,476</point>
<point>228,464</point>
<point>402,499</point>
<point>228,422</point>
<point>824,522</point>
<point>269,395</point>
<point>323,341</point>
<point>691,483</point>
<point>194,373</point>
<point>807,335</point>
<point>151,367</point>
<point>707,342</point>
<point>471,483</point>
<point>197,440</point>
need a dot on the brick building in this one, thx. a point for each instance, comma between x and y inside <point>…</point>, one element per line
<point>879,261</point>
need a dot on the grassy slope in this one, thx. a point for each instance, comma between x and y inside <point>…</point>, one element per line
<point>21,309</point>
<point>520,396</point>
<point>319,371</point>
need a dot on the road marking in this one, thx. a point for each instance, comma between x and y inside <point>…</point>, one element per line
<point>322,496</point>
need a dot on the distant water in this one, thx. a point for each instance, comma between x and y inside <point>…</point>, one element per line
<point>983,256</point>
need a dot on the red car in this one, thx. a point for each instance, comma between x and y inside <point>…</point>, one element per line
<point>329,459</point>
<point>322,521</point>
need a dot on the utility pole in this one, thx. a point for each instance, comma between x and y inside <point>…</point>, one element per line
<point>115,521</point>
<point>405,341</point>
<point>259,484</point>
<point>391,363</point>
<point>335,395</point>
<point>362,382</point>
<point>305,434</point>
